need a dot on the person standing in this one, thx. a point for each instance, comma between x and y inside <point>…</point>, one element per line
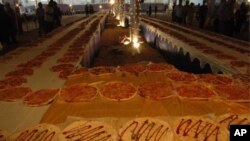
<point>4,26</point>
<point>40,12</point>
<point>185,12</point>
<point>174,12</point>
<point>49,17</point>
<point>86,10</point>
<point>12,30</point>
<point>149,10</point>
<point>179,11</point>
<point>156,9</point>
<point>57,15</point>
<point>190,14</point>
<point>202,14</point>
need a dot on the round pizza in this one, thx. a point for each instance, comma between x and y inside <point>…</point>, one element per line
<point>78,93</point>
<point>80,71</point>
<point>62,67</point>
<point>88,131</point>
<point>233,119</point>
<point>15,81</point>
<point>14,94</point>
<point>181,76</point>
<point>235,93</point>
<point>156,90</point>
<point>3,135</point>
<point>132,68</point>
<point>194,128</point>
<point>145,129</point>
<point>40,97</point>
<point>20,72</point>
<point>215,79</point>
<point>41,132</point>
<point>118,91</point>
<point>195,92</point>
<point>65,73</point>
<point>68,59</point>
<point>160,67</point>
<point>239,64</point>
<point>102,70</point>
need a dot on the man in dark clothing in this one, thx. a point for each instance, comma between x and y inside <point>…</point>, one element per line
<point>202,14</point>
<point>57,15</point>
<point>156,10</point>
<point>40,12</point>
<point>86,10</point>
<point>174,12</point>
<point>149,10</point>
<point>13,22</point>
<point>4,26</point>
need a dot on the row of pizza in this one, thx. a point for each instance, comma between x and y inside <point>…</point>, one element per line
<point>234,62</point>
<point>75,51</point>
<point>186,128</point>
<point>123,91</point>
<point>19,76</point>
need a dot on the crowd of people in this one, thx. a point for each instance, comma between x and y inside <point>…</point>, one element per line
<point>49,17</point>
<point>225,18</point>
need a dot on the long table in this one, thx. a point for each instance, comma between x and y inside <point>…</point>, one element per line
<point>218,51</point>
<point>14,115</point>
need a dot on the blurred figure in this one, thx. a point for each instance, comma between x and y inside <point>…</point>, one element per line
<point>86,10</point>
<point>174,12</point>
<point>149,10</point>
<point>12,28</point>
<point>185,12</point>
<point>226,17</point>
<point>179,11</point>
<point>57,15</point>
<point>190,14</point>
<point>156,10</point>
<point>4,25</point>
<point>202,14</point>
<point>241,17</point>
<point>49,17</point>
<point>40,13</point>
<point>19,19</point>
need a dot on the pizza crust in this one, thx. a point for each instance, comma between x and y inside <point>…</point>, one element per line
<point>88,130</point>
<point>42,131</point>
<point>195,128</point>
<point>145,128</point>
<point>118,91</point>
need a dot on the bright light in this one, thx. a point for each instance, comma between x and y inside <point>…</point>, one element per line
<point>118,17</point>
<point>100,6</point>
<point>126,42</point>
<point>70,5</point>
<point>112,2</point>
<point>17,5</point>
<point>136,45</point>
<point>135,39</point>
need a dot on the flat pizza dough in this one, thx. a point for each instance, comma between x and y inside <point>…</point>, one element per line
<point>78,93</point>
<point>195,91</point>
<point>41,132</point>
<point>14,94</point>
<point>156,90</point>
<point>118,91</point>
<point>88,131</point>
<point>40,97</point>
<point>145,129</point>
<point>102,70</point>
<point>230,119</point>
<point>195,128</point>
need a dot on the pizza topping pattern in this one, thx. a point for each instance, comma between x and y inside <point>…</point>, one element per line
<point>231,119</point>
<point>40,97</point>
<point>102,70</point>
<point>13,94</point>
<point>88,131</point>
<point>215,79</point>
<point>156,90</point>
<point>132,68</point>
<point>42,132</point>
<point>199,129</point>
<point>118,91</point>
<point>181,76</point>
<point>159,67</point>
<point>195,91</point>
<point>78,93</point>
<point>145,129</point>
